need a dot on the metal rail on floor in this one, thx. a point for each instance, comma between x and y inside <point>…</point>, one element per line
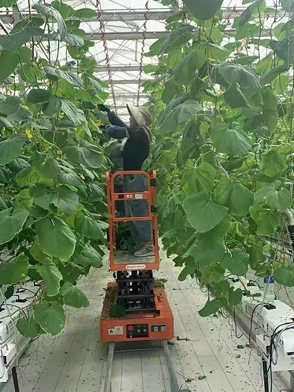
<point>173,379</point>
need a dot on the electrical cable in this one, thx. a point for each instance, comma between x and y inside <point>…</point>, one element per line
<point>20,309</point>
<point>251,320</point>
<point>236,331</point>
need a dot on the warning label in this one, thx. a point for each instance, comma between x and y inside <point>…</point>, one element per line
<point>116,331</point>
<point>135,266</point>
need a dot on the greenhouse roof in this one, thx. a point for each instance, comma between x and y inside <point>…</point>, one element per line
<point>123,31</point>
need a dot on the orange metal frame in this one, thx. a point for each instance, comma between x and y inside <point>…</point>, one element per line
<point>160,323</point>
<point>115,330</point>
<point>112,198</point>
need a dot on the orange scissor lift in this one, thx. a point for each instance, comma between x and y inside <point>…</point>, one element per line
<point>148,315</point>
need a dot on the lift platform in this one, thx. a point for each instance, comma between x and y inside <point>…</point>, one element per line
<point>146,312</point>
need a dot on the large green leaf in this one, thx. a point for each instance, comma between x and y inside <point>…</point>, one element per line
<point>89,256</point>
<point>55,74</point>
<point>236,262</point>
<point>266,219</point>
<point>49,168</point>
<point>51,317</point>
<point>203,176</point>
<point>235,296</point>
<point>66,200</point>
<point>178,38</point>
<point>28,328</point>
<point>285,275</point>
<point>249,12</point>
<point>240,199</point>
<point>11,223</point>
<point>73,296</point>
<point>86,154</point>
<point>7,3</point>
<point>233,142</point>
<point>69,177</point>
<point>170,90</point>
<point>206,252</point>
<point>70,271</point>
<point>53,106</point>
<point>235,98</point>
<point>273,164</point>
<point>202,213</point>
<point>39,96</point>
<point>75,40</point>
<point>223,190</point>
<point>85,13</point>
<point>65,10</point>
<point>273,73</point>
<point>241,74</point>
<point>37,252</point>
<point>47,11</point>
<point>8,62</point>
<point>285,49</point>
<point>75,115</point>
<point>10,105</point>
<point>14,271</point>
<point>55,237</point>
<point>186,68</point>
<point>11,148</point>
<point>51,277</point>
<point>16,40</point>
<point>278,199</point>
<point>211,307</point>
<point>203,10</point>
<point>179,115</point>
<point>88,227</point>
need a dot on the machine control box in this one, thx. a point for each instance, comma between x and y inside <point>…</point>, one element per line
<point>137,331</point>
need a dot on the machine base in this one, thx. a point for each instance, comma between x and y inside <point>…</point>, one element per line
<point>158,325</point>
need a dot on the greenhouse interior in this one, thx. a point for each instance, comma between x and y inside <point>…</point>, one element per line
<point>183,109</point>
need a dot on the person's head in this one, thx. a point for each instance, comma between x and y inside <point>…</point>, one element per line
<point>140,117</point>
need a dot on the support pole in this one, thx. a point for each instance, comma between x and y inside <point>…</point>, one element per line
<point>173,378</point>
<point>265,374</point>
<point>107,385</point>
<point>15,379</point>
<point>291,381</point>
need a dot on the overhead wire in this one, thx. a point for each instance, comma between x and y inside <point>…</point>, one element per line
<point>102,29</point>
<point>143,50</point>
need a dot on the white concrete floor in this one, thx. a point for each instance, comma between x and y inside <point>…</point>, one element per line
<point>204,352</point>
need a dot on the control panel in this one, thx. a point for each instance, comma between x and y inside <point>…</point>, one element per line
<point>137,331</point>
<point>158,328</point>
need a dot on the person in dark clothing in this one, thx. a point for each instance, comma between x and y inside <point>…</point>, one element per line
<point>136,139</point>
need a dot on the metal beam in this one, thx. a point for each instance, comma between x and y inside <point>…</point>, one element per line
<point>115,16</point>
<point>129,35</point>
<point>131,81</point>
<point>119,68</point>
<point>153,14</point>
<point>114,68</point>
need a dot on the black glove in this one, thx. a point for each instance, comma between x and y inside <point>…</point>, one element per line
<point>103,108</point>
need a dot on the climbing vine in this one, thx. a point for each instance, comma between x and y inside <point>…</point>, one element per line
<point>52,161</point>
<point>222,100</point>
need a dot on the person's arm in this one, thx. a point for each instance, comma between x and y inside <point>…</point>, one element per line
<point>112,117</point>
<point>115,120</point>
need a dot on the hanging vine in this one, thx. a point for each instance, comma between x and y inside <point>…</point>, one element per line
<point>52,163</point>
<point>222,100</point>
